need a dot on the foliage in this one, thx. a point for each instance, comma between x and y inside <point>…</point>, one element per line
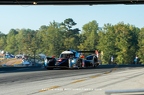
<point>89,36</point>
<point>140,51</point>
<point>122,41</point>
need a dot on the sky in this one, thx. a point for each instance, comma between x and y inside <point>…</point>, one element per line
<point>34,16</point>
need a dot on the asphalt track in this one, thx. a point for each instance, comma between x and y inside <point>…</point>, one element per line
<point>11,77</point>
<point>29,74</point>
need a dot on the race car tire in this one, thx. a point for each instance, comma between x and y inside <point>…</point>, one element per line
<point>96,65</point>
<point>79,63</point>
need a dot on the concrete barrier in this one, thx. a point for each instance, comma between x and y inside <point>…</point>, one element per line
<point>109,92</point>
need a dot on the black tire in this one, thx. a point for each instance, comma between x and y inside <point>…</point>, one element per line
<point>95,61</point>
<point>96,65</point>
<point>79,63</point>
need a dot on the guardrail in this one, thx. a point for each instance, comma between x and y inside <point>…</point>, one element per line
<point>110,92</point>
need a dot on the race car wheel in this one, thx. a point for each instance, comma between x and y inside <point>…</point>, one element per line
<point>96,64</point>
<point>79,63</point>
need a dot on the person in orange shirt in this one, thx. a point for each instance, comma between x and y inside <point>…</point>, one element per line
<point>82,56</point>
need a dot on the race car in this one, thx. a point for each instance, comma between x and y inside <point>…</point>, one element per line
<point>92,60</point>
<point>71,59</point>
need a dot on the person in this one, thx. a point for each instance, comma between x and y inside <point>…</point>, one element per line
<point>68,56</point>
<point>82,56</point>
<point>53,56</point>
<point>112,59</point>
<point>97,54</point>
<point>136,60</point>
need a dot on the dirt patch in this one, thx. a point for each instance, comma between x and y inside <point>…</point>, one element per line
<point>11,61</point>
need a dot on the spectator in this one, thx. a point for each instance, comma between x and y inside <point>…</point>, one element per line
<point>136,60</point>
<point>82,56</point>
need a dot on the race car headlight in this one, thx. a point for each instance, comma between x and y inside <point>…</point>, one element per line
<point>73,61</point>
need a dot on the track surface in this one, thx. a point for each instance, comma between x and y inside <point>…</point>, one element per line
<point>37,80</point>
<point>23,75</point>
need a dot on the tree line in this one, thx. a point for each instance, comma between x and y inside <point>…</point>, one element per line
<point>122,41</point>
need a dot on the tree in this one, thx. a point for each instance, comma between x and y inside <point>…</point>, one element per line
<point>71,36</point>
<point>2,41</point>
<point>89,36</point>
<point>31,44</point>
<point>11,41</point>
<point>106,43</point>
<point>125,43</point>
<point>42,35</point>
<point>69,23</point>
<point>140,51</point>
<point>52,39</point>
<point>120,41</point>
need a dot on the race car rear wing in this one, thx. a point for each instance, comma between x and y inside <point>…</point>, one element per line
<point>92,51</point>
<point>86,51</point>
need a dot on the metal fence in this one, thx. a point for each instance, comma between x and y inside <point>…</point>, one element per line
<point>139,91</point>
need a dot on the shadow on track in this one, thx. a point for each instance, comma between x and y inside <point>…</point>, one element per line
<point>40,68</point>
